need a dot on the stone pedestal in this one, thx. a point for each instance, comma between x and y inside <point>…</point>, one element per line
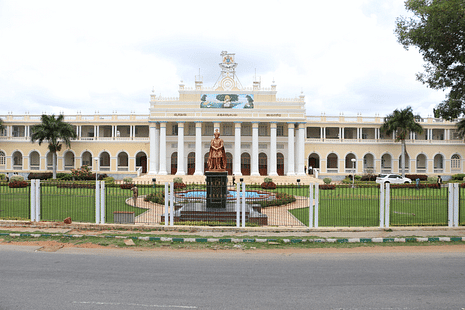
<point>217,188</point>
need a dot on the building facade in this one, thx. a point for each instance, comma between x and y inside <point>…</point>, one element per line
<point>263,135</point>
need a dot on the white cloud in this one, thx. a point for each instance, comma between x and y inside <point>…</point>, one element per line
<point>107,55</point>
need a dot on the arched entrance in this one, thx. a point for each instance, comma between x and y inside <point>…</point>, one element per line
<point>262,164</point>
<point>191,163</point>
<point>34,161</point>
<point>280,163</point>
<point>245,164</point>
<point>313,162</point>
<point>104,162</point>
<point>141,161</point>
<point>229,163</point>
<point>123,161</point>
<point>69,160</point>
<point>174,163</point>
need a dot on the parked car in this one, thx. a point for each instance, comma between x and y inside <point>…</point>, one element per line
<point>392,178</point>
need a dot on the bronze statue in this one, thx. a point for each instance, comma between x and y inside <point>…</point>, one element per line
<point>217,156</point>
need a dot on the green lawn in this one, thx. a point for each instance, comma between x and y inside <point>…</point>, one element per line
<point>343,206</point>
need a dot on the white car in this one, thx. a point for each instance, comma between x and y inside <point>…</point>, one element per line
<point>392,178</point>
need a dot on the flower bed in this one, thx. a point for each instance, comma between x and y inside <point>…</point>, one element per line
<point>17,184</point>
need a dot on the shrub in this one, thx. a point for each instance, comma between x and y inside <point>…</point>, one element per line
<point>64,176</point>
<point>126,186</point>
<point>458,176</point>
<point>281,199</point>
<point>268,185</point>
<point>82,173</point>
<point>177,180</point>
<point>2,176</point>
<point>432,179</point>
<point>368,177</point>
<point>16,178</point>
<point>127,179</point>
<point>158,197</point>
<point>327,180</point>
<point>109,180</point>
<point>413,177</point>
<point>327,186</point>
<point>268,180</point>
<point>17,184</point>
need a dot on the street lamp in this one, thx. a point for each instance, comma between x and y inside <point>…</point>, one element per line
<point>154,180</point>
<point>353,175</point>
<point>298,182</point>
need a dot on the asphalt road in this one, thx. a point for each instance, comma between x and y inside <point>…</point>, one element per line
<point>81,279</point>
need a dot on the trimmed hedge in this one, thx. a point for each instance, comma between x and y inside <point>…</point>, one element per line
<point>268,185</point>
<point>413,177</point>
<point>18,184</point>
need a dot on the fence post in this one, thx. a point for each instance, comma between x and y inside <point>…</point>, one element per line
<point>166,203</point>
<point>381,205</point>
<point>387,205</point>
<point>238,205</point>
<point>35,200</point>
<point>97,202</point>
<point>453,206</point>
<point>102,202</point>
<point>317,202</point>
<point>456,204</point>
<point>310,205</point>
<point>171,204</point>
<point>243,204</point>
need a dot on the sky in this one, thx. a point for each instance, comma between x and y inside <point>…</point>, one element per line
<point>108,56</point>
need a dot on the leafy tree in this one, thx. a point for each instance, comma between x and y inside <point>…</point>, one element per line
<point>437,29</point>
<point>54,131</point>
<point>2,127</point>
<point>402,123</point>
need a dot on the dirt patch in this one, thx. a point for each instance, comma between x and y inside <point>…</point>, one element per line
<point>53,246</point>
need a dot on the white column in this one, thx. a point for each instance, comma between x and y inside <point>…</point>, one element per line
<point>290,149</point>
<point>131,133</point>
<point>181,170</point>
<point>154,146</point>
<point>237,149</point>
<point>162,149</point>
<point>301,150</point>
<point>273,159</point>
<point>198,149</point>
<point>254,170</point>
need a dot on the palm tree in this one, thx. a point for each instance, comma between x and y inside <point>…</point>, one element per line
<point>54,131</point>
<point>402,123</point>
<point>2,127</point>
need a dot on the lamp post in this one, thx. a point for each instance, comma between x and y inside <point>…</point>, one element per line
<point>353,174</point>
<point>154,180</point>
<point>96,168</point>
<point>298,182</point>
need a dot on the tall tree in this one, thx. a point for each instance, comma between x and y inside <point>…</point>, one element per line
<point>402,123</point>
<point>53,130</point>
<point>2,127</point>
<point>437,29</point>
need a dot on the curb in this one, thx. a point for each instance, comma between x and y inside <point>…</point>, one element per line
<point>246,240</point>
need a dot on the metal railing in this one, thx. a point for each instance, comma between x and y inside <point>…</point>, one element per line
<point>286,205</point>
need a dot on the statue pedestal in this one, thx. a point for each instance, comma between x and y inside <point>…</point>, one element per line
<point>217,188</point>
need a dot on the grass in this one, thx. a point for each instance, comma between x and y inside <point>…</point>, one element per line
<point>343,206</point>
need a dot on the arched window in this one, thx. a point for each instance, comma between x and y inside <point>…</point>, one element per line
<point>245,164</point>
<point>280,163</point>
<point>454,162</point>
<point>174,163</point>
<point>2,158</point>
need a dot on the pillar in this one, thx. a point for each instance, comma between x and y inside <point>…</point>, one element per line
<point>301,150</point>
<point>237,149</point>
<point>181,170</point>
<point>198,149</point>
<point>273,157</point>
<point>254,168</point>
<point>154,147</point>
<point>290,150</point>
<point>162,149</point>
